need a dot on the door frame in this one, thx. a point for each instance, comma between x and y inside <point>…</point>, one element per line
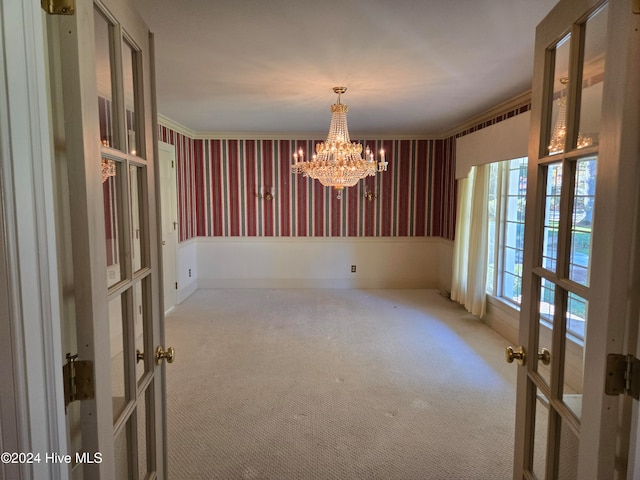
<point>170,149</point>
<point>32,406</point>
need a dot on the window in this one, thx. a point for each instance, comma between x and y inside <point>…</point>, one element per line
<point>507,201</point>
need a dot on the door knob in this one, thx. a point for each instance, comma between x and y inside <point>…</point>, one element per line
<point>544,356</point>
<point>139,356</point>
<point>512,354</point>
<point>169,355</point>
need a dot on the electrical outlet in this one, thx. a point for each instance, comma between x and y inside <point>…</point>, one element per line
<point>353,269</point>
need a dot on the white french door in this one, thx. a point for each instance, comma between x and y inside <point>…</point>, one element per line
<point>101,80</point>
<point>580,244</point>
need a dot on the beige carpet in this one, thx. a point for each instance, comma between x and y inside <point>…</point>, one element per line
<point>336,384</point>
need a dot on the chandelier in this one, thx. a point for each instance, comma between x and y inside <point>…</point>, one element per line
<point>556,144</point>
<point>338,162</point>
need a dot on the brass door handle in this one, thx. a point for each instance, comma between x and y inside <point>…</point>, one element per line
<point>169,355</point>
<point>512,354</point>
<point>544,356</point>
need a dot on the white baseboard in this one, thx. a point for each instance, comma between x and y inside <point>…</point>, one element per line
<point>212,283</point>
<point>186,291</point>
<point>503,318</point>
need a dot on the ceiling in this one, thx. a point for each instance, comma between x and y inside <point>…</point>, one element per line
<point>411,67</point>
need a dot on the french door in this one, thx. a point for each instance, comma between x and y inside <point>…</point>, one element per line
<point>101,80</point>
<point>579,293</point>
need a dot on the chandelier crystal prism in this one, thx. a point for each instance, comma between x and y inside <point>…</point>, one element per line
<point>338,162</point>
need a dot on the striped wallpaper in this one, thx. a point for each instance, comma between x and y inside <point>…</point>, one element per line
<point>220,182</point>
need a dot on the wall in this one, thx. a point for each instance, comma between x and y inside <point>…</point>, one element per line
<point>382,262</point>
<point>220,181</point>
<point>230,236</point>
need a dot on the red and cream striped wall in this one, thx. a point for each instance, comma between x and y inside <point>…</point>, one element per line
<point>220,183</point>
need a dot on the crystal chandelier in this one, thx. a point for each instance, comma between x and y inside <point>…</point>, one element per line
<point>556,144</point>
<point>338,162</point>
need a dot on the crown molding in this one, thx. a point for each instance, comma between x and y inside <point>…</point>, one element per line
<point>175,126</point>
<point>504,107</point>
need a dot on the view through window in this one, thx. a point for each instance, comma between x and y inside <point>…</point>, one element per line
<point>507,202</point>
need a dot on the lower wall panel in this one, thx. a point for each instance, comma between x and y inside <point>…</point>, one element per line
<point>187,269</point>
<point>250,262</point>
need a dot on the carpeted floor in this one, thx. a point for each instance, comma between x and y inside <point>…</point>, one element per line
<point>336,384</point>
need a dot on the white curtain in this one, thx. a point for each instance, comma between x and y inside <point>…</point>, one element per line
<point>469,280</point>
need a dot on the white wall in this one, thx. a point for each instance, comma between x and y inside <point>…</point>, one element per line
<point>295,262</point>
<point>187,269</point>
<point>502,141</point>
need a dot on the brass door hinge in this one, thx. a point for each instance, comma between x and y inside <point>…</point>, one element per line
<point>623,375</point>
<point>58,7</point>
<point>636,6</point>
<point>78,380</point>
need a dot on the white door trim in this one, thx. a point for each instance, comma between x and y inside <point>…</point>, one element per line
<point>170,253</point>
<point>35,397</point>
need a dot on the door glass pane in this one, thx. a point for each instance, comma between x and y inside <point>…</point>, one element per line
<point>551,216</point>
<point>122,458</point>
<point>117,342</point>
<point>558,98</point>
<point>129,72</point>
<point>568,454</point>
<point>136,176</point>
<point>103,42</point>
<point>592,79</point>
<point>583,200</point>
<point>113,221</point>
<point>138,328</point>
<point>576,319</point>
<point>547,296</point>
<point>540,435</point>
<point>141,414</point>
